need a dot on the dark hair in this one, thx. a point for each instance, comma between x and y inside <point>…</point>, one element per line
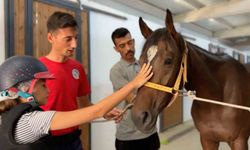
<point>7,105</point>
<point>118,33</point>
<point>60,20</point>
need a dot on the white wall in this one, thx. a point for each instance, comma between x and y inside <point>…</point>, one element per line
<point>103,57</point>
<point>2,38</point>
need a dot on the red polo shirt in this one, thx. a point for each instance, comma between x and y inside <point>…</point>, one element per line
<point>70,82</point>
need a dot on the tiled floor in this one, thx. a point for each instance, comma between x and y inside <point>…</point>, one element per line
<point>184,137</point>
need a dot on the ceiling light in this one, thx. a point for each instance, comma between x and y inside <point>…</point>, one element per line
<point>211,19</point>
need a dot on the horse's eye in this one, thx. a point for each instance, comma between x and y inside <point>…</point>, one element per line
<point>168,61</point>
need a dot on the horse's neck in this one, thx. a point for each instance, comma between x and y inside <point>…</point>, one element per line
<point>201,71</point>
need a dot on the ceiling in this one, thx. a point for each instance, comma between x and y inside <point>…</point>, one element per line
<point>227,21</point>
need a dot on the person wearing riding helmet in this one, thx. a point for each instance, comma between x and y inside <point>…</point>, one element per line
<point>23,124</point>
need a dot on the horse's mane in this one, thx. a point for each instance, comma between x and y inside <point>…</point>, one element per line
<point>153,40</point>
<point>213,60</point>
<point>216,56</point>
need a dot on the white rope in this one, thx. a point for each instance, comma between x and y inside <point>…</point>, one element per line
<point>193,97</point>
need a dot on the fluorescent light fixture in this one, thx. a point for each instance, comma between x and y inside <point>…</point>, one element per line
<point>211,19</point>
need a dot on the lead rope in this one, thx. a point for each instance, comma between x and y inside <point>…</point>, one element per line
<point>193,96</point>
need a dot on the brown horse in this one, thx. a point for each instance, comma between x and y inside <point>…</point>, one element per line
<point>247,66</point>
<point>217,77</point>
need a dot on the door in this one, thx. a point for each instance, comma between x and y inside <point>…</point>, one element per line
<point>172,116</point>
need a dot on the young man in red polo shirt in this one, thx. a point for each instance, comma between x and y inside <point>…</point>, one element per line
<point>71,83</point>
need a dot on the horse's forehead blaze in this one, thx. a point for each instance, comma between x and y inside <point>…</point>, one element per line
<point>152,51</point>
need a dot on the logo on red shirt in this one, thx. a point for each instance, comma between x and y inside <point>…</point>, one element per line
<point>75,74</point>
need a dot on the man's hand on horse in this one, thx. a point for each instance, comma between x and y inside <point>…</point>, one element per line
<point>114,114</point>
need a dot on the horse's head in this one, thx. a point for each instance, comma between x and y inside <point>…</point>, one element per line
<point>163,49</point>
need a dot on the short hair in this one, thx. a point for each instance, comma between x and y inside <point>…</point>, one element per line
<point>118,33</point>
<point>60,20</point>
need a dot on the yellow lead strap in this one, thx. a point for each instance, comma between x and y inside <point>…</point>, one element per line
<point>159,87</point>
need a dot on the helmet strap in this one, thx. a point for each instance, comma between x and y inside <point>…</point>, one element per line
<point>28,95</point>
<point>30,98</point>
<point>32,85</point>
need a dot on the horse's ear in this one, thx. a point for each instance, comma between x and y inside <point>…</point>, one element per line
<point>169,23</point>
<point>145,30</point>
<point>171,29</point>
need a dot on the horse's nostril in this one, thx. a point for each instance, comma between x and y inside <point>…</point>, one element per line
<point>144,117</point>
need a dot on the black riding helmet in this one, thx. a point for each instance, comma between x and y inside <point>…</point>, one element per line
<point>18,69</point>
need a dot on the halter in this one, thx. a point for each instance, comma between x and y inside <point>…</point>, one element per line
<point>175,89</point>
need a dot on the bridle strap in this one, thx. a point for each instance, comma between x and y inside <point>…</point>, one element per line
<point>175,89</point>
<point>159,87</point>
